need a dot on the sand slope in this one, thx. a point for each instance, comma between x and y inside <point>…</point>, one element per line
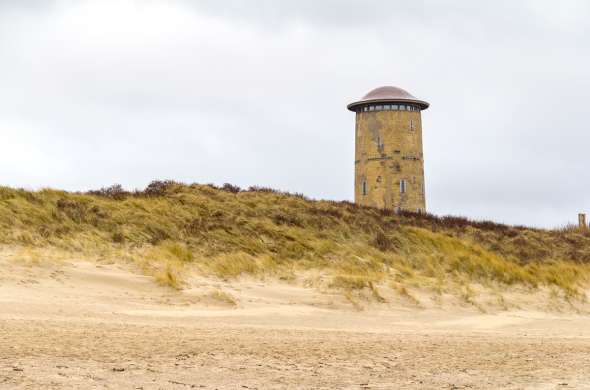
<point>84,325</point>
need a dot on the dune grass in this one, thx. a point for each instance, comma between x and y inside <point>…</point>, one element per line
<point>226,232</point>
<point>222,297</point>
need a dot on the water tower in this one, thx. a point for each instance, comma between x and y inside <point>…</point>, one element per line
<point>389,161</point>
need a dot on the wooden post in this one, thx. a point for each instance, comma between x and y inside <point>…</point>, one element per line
<point>582,221</point>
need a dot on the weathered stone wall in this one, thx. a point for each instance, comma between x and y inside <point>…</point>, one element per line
<point>388,150</point>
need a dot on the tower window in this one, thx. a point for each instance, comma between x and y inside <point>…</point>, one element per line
<point>411,124</point>
<point>402,186</point>
<point>395,107</point>
<point>387,107</point>
<point>364,187</point>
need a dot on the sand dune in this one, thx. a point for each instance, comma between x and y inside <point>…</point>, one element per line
<point>87,325</point>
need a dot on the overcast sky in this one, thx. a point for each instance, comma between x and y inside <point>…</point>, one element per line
<point>254,93</point>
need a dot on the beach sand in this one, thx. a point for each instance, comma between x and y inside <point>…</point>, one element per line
<point>86,325</point>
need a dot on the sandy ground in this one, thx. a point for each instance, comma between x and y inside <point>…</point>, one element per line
<point>81,325</point>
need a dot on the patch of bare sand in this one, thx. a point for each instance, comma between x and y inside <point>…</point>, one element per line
<point>85,325</point>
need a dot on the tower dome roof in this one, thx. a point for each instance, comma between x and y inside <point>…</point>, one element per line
<point>388,94</point>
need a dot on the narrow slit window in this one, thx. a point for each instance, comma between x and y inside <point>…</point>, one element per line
<point>364,187</point>
<point>402,186</point>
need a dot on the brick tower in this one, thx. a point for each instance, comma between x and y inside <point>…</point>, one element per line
<point>389,162</point>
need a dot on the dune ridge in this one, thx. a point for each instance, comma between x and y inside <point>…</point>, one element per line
<point>172,230</point>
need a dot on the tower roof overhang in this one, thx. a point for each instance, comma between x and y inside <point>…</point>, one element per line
<point>388,94</point>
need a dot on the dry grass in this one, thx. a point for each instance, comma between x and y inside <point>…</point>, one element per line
<point>167,276</point>
<point>222,297</point>
<point>33,257</point>
<point>404,293</point>
<point>226,232</point>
